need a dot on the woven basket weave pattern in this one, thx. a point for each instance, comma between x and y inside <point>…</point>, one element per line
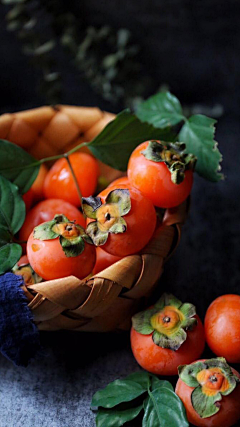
<point>106,301</point>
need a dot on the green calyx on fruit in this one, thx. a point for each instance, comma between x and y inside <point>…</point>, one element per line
<point>174,157</point>
<point>167,321</point>
<point>108,216</point>
<point>71,236</point>
<point>28,274</point>
<point>211,380</point>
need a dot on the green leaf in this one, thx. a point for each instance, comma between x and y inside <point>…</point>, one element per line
<point>198,135</point>
<point>117,392</point>
<point>121,136</point>
<point>142,377</point>
<point>12,207</point>
<point>203,404</point>
<point>164,408</point>
<point>161,110</point>
<point>156,383</point>
<point>116,418</point>
<point>10,253</point>
<point>15,165</point>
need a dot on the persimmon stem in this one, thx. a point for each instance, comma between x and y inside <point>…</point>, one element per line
<point>74,177</point>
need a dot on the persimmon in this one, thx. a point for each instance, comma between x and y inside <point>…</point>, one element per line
<point>167,335</point>
<point>59,182</point>
<point>161,172</point>
<point>23,261</point>
<point>60,248</point>
<point>45,211</point>
<point>37,186</point>
<point>121,220</point>
<point>118,182</point>
<point>104,260</point>
<point>222,327</point>
<point>210,392</point>
<point>28,199</point>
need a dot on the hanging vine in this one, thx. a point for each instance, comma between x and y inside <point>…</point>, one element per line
<point>105,57</point>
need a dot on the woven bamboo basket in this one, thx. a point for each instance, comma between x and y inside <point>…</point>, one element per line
<point>106,301</point>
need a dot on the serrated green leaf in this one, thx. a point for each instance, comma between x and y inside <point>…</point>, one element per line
<point>198,135</point>
<point>10,253</point>
<point>117,392</point>
<point>116,418</point>
<point>121,136</point>
<point>161,110</point>
<point>12,159</point>
<point>12,207</point>
<point>164,408</point>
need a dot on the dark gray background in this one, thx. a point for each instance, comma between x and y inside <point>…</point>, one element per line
<point>194,48</point>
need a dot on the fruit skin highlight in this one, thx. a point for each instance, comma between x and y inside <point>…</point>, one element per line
<point>59,182</point>
<point>153,179</point>
<point>222,327</point>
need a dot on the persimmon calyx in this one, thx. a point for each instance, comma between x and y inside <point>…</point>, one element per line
<point>108,216</point>
<point>28,274</point>
<point>174,157</point>
<point>211,379</point>
<point>167,321</point>
<point>72,236</point>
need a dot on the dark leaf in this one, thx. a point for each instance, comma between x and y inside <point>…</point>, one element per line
<point>117,392</point>
<point>164,408</point>
<point>121,136</point>
<point>161,110</point>
<point>12,207</point>
<point>12,159</point>
<point>10,253</point>
<point>156,383</point>
<point>116,418</point>
<point>198,135</point>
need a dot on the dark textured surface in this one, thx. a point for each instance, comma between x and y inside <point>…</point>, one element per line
<point>194,48</point>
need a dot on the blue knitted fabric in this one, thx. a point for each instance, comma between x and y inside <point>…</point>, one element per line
<point>19,337</point>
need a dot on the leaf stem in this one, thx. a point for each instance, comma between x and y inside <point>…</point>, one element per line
<point>74,177</point>
<point>48,159</point>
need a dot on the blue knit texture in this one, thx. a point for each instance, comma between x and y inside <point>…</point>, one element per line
<point>19,336</point>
